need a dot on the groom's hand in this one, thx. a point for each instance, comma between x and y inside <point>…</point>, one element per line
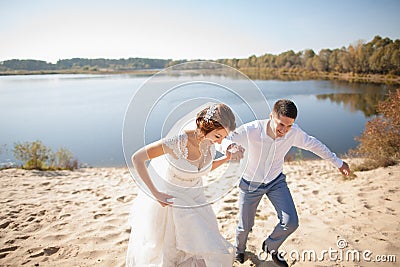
<point>345,169</point>
<point>235,152</point>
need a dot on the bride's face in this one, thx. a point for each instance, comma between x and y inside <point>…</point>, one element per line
<point>216,136</point>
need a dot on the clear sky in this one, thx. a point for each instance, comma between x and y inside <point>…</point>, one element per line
<point>187,29</point>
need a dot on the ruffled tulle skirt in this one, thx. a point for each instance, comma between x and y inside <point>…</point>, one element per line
<point>175,236</point>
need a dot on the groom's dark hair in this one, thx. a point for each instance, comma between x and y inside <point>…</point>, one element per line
<point>285,107</point>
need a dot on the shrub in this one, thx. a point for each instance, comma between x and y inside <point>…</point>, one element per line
<point>380,141</point>
<point>64,159</point>
<point>36,155</point>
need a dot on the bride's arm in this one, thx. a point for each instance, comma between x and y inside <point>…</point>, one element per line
<point>237,155</point>
<point>218,162</point>
<point>139,159</point>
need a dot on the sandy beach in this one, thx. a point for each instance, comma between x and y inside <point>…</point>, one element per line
<point>79,218</point>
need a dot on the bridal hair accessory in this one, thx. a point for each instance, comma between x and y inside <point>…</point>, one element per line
<point>210,112</point>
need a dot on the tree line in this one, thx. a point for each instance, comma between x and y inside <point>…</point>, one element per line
<point>379,56</point>
<point>97,64</point>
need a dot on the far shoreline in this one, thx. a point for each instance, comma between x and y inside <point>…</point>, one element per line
<point>252,73</point>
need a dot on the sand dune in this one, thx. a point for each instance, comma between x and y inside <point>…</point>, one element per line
<point>79,218</point>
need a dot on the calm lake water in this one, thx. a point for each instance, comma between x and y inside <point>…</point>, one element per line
<point>85,113</point>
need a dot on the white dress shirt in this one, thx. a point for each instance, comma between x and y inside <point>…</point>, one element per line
<point>264,156</point>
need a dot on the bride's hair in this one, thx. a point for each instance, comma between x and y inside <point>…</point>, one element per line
<point>215,117</point>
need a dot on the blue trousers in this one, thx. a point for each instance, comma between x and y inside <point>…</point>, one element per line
<point>278,193</point>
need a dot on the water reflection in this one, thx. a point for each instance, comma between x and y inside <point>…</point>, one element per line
<point>363,97</point>
<point>367,103</point>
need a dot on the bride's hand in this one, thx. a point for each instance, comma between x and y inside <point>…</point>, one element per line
<point>163,198</point>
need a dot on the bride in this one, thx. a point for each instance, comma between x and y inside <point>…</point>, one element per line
<point>173,225</point>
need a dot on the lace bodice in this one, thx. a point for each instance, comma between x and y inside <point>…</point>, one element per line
<point>181,169</point>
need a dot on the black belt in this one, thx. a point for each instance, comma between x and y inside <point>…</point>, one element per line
<point>261,184</point>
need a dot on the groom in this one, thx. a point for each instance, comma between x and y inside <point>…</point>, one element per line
<point>266,143</point>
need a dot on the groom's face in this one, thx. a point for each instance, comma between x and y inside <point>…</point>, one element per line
<point>281,125</point>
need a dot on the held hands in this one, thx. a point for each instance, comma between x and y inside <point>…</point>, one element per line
<point>234,152</point>
<point>163,198</point>
<point>345,169</point>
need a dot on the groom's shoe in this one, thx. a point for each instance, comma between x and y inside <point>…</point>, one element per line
<point>239,257</point>
<point>278,260</point>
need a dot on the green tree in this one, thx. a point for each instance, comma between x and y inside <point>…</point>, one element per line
<point>63,159</point>
<point>307,58</point>
<point>34,154</point>
<point>27,64</point>
<point>345,62</point>
<point>288,59</point>
<point>323,56</point>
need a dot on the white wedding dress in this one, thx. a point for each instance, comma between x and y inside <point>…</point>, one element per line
<point>186,233</point>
